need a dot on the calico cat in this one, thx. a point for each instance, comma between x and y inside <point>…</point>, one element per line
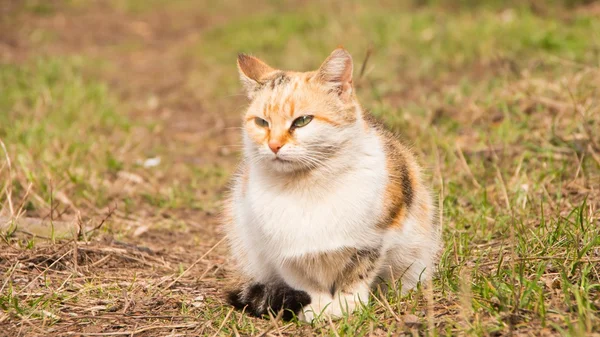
<point>327,204</point>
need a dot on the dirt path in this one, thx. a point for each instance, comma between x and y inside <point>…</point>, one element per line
<point>144,58</point>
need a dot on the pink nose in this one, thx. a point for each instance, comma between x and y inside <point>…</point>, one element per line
<point>275,146</point>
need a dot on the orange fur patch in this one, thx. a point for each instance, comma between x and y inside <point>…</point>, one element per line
<point>401,188</point>
<point>281,137</point>
<point>326,120</point>
<point>292,106</point>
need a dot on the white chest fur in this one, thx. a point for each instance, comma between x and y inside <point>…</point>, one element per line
<point>335,210</point>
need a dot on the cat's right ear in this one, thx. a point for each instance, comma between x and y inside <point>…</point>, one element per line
<point>252,73</point>
<point>336,73</point>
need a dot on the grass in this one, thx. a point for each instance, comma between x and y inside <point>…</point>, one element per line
<point>44,104</point>
<point>500,101</point>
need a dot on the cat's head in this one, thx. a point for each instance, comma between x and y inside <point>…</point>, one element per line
<point>298,120</point>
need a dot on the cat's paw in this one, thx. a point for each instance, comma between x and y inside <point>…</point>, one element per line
<point>324,307</point>
<point>257,299</point>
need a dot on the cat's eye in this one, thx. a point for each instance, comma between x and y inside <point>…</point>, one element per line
<point>302,121</point>
<point>261,122</point>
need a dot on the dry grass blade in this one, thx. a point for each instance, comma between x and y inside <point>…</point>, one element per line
<point>430,307</point>
<point>46,270</point>
<point>363,67</point>
<point>274,321</point>
<point>9,186</point>
<point>385,303</point>
<point>192,265</point>
<point>544,258</point>
<point>333,328</point>
<point>463,161</point>
<point>223,323</point>
<point>101,223</point>
<point>138,331</point>
<point>7,276</point>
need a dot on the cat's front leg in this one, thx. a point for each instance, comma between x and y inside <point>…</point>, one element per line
<point>326,305</point>
<point>338,282</point>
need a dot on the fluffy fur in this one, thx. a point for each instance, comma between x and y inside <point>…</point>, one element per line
<point>319,214</point>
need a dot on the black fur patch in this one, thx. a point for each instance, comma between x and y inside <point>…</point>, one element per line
<point>362,263</point>
<point>258,298</point>
<point>400,176</point>
<point>332,289</point>
<point>278,79</point>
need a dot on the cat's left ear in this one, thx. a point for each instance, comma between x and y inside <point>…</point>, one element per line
<point>252,73</point>
<point>336,73</point>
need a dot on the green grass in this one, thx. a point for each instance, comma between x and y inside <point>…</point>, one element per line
<point>60,131</point>
<point>500,102</point>
<point>408,42</point>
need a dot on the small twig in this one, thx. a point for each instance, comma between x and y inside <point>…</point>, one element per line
<point>466,166</point>
<point>108,215</point>
<point>135,332</point>
<point>333,326</point>
<point>223,323</point>
<point>9,188</point>
<point>121,254</point>
<point>364,64</point>
<point>65,282</point>
<point>52,237</point>
<point>22,203</point>
<point>80,226</point>
<point>595,155</point>
<point>580,162</point>
<point>274,320</point>
<point>75,257</point>
<point>235,331</point>
<point>266,332</point>
<point>127,301</point>
<point>94,264</point>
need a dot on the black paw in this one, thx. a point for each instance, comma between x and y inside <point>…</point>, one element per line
<point>258,299</point>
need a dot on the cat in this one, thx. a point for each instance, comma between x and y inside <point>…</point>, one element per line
<point>327,204</point>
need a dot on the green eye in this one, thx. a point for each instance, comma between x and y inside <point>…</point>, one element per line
<point>261,122</point>
<point>302,121</point>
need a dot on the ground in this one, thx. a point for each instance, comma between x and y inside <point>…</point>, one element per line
<point>119,130</point>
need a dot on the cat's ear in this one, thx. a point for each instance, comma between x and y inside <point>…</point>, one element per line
<point>252,72</point>
<point>336,73</point>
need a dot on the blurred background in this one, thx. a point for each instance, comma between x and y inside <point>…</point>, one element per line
<point>119,123</point>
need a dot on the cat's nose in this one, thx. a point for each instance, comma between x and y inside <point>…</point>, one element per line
<point>275,146</point>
